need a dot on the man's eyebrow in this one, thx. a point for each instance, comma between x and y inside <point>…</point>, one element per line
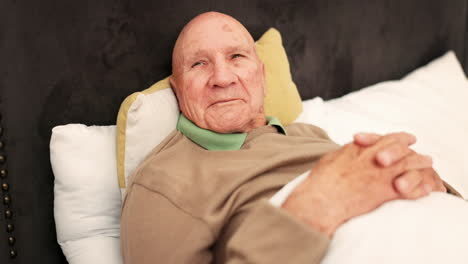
<point>239,48</point>
<point>196,55</point>
<point>230,49</point>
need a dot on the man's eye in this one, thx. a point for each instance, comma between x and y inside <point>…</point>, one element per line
<point>237,55</point>
<point>198,63</point>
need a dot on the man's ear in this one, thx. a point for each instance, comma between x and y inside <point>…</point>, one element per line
<point>265,90</point>
<point>173,84</point>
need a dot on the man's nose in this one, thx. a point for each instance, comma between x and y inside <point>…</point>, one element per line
<point>223,75</point>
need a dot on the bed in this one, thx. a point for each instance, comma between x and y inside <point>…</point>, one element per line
<point>75,62</point>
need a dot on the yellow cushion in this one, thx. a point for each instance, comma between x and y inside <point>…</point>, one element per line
<point>282,100</point>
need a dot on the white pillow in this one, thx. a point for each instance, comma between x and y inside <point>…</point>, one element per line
<point>431,103</point>
<point>430,230</point>
<point>150,119</point>
<point>87,200</point>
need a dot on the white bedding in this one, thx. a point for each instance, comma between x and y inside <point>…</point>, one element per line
<point>430,230</point>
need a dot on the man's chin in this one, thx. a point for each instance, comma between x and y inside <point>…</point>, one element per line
<point>228,129</point>
<point>228,123</point>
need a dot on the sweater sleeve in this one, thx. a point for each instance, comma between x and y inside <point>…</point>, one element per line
<point>154,230</point>
<point>266,234</point>
<point>452,190</point>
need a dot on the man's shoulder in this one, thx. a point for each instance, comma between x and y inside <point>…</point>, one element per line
<point>166,158</point>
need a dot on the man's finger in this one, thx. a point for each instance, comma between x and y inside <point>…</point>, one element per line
<point>403,137</point>
<point>441,187</point>
<point>407,183</point>
<point>419,191</point>
<point>413,161</point>
<point>392,153</point>
<point>366,139</point>
<point>431,177</point>
<point>384,142</point>
<point>369,139</point>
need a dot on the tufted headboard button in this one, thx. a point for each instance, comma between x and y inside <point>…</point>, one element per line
<point>6,200</point>
<point>13,253</point>
<point>11,241</point>
<point>8,214</point>
<point>10,228</point>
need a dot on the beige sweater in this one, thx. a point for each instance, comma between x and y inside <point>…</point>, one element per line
<point>186,204</point>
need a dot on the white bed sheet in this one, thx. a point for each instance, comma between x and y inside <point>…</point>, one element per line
<point>430,230</point>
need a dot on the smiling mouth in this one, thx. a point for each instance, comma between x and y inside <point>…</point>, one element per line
<point>225,102</point>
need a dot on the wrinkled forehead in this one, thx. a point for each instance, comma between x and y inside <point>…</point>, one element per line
<point>213,33</point>
<point>216,37</point>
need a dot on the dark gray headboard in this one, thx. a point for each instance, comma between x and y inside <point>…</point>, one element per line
<point>64,61</point>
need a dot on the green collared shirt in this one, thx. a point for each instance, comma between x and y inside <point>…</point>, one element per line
<point>216,141</point>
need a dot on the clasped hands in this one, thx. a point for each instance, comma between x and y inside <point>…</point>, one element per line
<point>359,177</point>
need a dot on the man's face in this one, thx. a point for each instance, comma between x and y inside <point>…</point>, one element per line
<point>217,76</point>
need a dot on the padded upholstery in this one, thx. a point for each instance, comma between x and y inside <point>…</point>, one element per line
<point>75,61</point>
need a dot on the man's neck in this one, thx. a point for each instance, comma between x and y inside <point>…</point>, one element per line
<point>255,123</point>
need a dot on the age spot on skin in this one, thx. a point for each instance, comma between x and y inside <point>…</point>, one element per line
<point>227,28</point>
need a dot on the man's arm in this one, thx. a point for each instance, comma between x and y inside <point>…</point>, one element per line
<point>154,230</point>
<point>262,233</point>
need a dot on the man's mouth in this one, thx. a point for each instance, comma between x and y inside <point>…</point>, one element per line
<point>225,102</point>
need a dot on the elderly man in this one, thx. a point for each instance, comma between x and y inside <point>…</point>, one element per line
<point>202,195</point>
